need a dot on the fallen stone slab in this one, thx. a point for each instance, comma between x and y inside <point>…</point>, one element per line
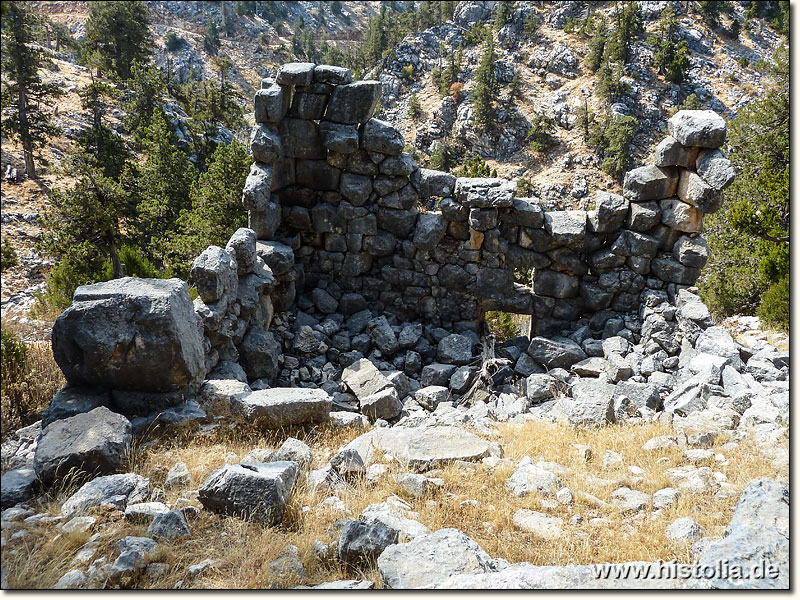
<point>169,526</point>
<point>145,512</point>
<point>541,525</point>
<point>432,558</point>
<point>116,489</point>
<point>421,447</point>
<point>95,442</point>
<point>531,478</point>
<point>257,491</point>
<point>394,518</point>
<point>278,407</point>
<point>364,379</point>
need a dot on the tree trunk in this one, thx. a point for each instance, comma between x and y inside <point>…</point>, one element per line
<point>115,262</point>
<point>24,133</point>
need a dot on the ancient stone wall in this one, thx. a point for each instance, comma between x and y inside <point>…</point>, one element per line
<point>337,207</point>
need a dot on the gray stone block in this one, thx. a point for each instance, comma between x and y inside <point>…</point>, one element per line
<point>299,73</point>
<point>354,102</point>
<point>702,128</point>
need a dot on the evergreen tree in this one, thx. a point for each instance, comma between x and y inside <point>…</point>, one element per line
<point>227,16</point>
<point>100,141</point>
<point>540,135</point>
<point>485,88</point>
<point>628,26</point>
<point>612,139</point>
<point>712,9</point>
<point>211,41</point>
<point>164,182</point>
<point>24,94</point>
<point>672,54</point>
<point>216,208</point>
<point>144,94</point>
<point>83,224</point>
<point>503,13</point>
<point>414,107</point>
<point>597,46</point>
<point>117,34</point>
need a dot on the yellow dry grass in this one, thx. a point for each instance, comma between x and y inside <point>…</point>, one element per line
<point>245,549</point>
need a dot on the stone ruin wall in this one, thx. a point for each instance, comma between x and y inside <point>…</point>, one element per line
<point>337,208</point>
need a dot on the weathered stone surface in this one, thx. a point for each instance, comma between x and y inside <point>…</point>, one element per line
<point>691,251</point>
<point>670,270</point>
<point>436,183</point>
<point>116,489</point>
<point>317,175</point>
<point>278,407</point>
<point>385,404</point>
<point>553,354</point>
<point>17,486</point>
<point>430,396</point>
<point>298,73</point>
<point>431,558</point>
<point>681,216</point>
<point>364,379</point>
<point>567,227</point>
<point>484,192</point>
<point>393,517</point>
<point>609,213</point>
<point>361,542</point>
<point>670,152</point>
<point>685,530</point>
<point>380,136</point>
<point>531,478</point>
<point>259,353</point>
<point>592,403</point>
<point>306,105</point>
<point>430,229</point>
<point>643,216</point>
<point>130,333</point>
<point>256,491</point>
<point>693,190</point>
<point>421,448</point>
<point>354,102</point>
<point>332,75</point>
<point>715,169</point>
<point>213,274</point>
<point>71,401</point>
<point>271,104</point>
<point>301,139</point>
<point>356,188</point>
<point>145,512</point>
<point>541,525</point>
<point>759,531</point>
<point>527,212</point>
<point>296,451</point>
<point>95,442</point>
<point>339,137</point>
<point>628,500</point>
<point>454,349</point>
<point>277,256</point>
<point>650,183</point>
<point>540,386</point>
<point>701,128</point>
<point>555,284</point>
<point>178,476</point>
<point>265,144</point>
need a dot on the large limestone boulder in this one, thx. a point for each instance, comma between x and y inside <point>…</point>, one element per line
<point>131,334</point>
<point>701,128</point>
<point>95,442</point>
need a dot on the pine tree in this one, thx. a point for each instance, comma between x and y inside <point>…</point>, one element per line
<point>164,183</point>
<point>108,149</point>
<point>211,42</point>
<point>485,88</point>
<point>414,108</point>
<point>83,224</point>
<point>672,54</point>
<point>24,95</point>
<point>117,34</point>
<point>144,94</point>
<point>503,13</point>
<point>216,209</point>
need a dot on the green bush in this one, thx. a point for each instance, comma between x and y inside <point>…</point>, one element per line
<point>540,136</point>
<point>134,264</point>
<point>8,256</point>
<point>62,281</point>
<point>774,308</point>
<point>173,42</point>
<point>501,324</point>
<point>476,167</point>
<point>13,354</point>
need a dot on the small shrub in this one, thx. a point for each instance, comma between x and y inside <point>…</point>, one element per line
<point>743,62</point>
<point>501,324</point>
<point>414,107</point>
<point>408,72</point>
<point>476,167</point>
<point>540,135</point>
<point>774,308</point>
<point>525,188</point>
<point>13,354</point>
<point>692,102</point>
<point>8,256</point>
<point>174,42</point>
<point>134,264</point>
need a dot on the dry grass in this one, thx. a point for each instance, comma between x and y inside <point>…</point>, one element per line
<point>246,549</point>
<point>25,392</point>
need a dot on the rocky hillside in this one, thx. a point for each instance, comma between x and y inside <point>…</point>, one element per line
<point>549,64</point>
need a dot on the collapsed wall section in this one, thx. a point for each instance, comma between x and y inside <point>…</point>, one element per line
<point>337,204</point>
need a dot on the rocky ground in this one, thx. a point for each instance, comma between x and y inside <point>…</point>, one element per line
<point>586,462</point>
